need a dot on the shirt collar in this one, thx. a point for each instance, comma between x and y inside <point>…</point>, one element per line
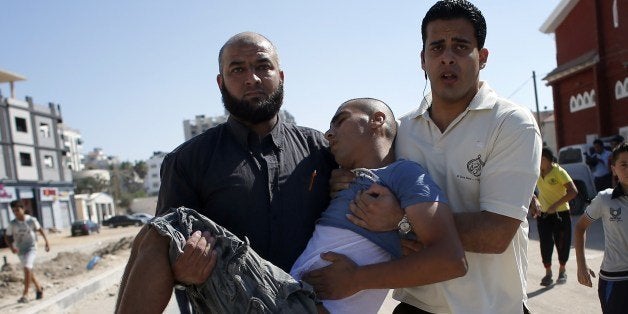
<point>485,98</point>
<point>618,192</point>
<point>244,135</point>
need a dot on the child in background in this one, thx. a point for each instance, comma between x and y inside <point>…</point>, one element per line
<point>24,244</point>
<point>608,205</point>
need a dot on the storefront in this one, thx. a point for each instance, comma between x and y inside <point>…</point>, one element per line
<point>51,205</point>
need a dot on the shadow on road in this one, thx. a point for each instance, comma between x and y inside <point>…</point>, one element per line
<point>539,291</point>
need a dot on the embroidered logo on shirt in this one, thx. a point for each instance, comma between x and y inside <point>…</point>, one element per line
<point>553,181</point>
<point>475,166</point>
<point>615,214</point>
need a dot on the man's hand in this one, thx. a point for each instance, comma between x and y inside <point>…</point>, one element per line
<point>13,249</point>
<point>198,260</point>
<point>376,209</point>
<point>340,180</point>
<point>335,281</point>
<point>47,247</point>
<point>584,276</point>
<point>535,207</point>
<point>410,246</point>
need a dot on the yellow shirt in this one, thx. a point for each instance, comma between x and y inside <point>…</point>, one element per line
<point>552,188</point>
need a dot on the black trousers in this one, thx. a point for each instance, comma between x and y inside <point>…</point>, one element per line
<point>554,230</point>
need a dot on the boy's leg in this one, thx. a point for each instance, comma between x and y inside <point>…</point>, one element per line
<point>27,282</point>
<point>148,280</point>
<point>35,282</point>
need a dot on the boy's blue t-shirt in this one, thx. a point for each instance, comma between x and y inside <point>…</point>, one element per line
<point>407,180</point>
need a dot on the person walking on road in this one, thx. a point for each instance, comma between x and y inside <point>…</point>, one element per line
<point>607,205</point>
<point>551,209</point>
<point>22,229</point>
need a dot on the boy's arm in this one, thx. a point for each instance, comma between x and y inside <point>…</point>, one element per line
<point>584,273</point>
<point>43,235</point>
<point>480,232</point>
<point>442,258</point>
<point>9,242</point>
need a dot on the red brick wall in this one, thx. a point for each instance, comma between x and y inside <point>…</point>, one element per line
<point>576,35</point>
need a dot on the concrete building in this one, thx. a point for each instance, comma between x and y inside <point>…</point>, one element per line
<point>95,206</point>
<point>152,181</point>
<point>590,82</point>
<point>200,123</point>
<point>73,145</point>
<point>32,160</point>
<point>97,159</point>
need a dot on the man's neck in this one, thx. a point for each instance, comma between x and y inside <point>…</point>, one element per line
<point>380,158</point>
<point>263,128</point>
<point>444,111</point>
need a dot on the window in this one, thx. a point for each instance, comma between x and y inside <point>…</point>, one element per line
<point>49,161</point>
<point>44,129</point>
<point>25,160</point>
<point>20,125</point>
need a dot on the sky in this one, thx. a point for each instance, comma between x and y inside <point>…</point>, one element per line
<point>127,73</point>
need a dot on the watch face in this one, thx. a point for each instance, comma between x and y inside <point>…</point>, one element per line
<point>404,226</point>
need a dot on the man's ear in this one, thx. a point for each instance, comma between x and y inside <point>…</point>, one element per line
<point>281,75</point>
<point>377,119</point>
<point>423,60</point>
<point>483,56</point>
<point>219,80</point>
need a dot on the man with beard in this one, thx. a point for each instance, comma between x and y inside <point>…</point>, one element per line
<point>261,178</point>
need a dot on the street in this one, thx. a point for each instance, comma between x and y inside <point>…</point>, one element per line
<point>570,298</point>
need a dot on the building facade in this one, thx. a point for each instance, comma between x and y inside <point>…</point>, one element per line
<point>32,160</point>
<point>200,123</point>
<point>152,181</point>
<point>590,82</point>
<point>95,207</point>
<point>73,145</point>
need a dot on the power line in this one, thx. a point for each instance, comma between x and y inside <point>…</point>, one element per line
<point>519,88</point>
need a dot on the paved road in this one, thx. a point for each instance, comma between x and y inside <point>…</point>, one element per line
<point>570,298</point>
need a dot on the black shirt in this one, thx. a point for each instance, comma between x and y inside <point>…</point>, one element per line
<point>270,190</point>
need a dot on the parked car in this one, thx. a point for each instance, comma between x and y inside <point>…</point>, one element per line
<point>573,159</point>
<point>146,217</point>
<point>84,227</point>
<point>123,221</point>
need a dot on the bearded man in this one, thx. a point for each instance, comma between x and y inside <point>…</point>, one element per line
<point>257,176</point>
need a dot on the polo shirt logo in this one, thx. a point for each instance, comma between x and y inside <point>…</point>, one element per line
<point>615,214</point>
<point>474,166</point>
<point>553,181</point>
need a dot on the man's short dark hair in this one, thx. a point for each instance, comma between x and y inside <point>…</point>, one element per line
<point>455,9</point>
<point>16,203</point>
<point>598,141</point>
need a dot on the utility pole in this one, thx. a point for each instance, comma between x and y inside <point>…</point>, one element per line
<point>536,100</point>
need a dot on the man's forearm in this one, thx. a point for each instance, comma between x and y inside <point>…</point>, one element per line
<point>485,232</point>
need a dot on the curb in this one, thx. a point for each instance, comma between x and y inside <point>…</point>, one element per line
<point>67,298</point>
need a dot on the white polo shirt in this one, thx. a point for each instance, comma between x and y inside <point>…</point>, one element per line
<point>488,159</point>
<point>608,205</point>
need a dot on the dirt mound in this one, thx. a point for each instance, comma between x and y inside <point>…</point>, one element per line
<point>63,270</point>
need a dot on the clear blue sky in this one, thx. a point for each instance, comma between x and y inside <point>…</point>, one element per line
<point>127,73</point>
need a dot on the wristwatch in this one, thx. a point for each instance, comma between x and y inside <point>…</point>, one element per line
<point>404,226</point>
